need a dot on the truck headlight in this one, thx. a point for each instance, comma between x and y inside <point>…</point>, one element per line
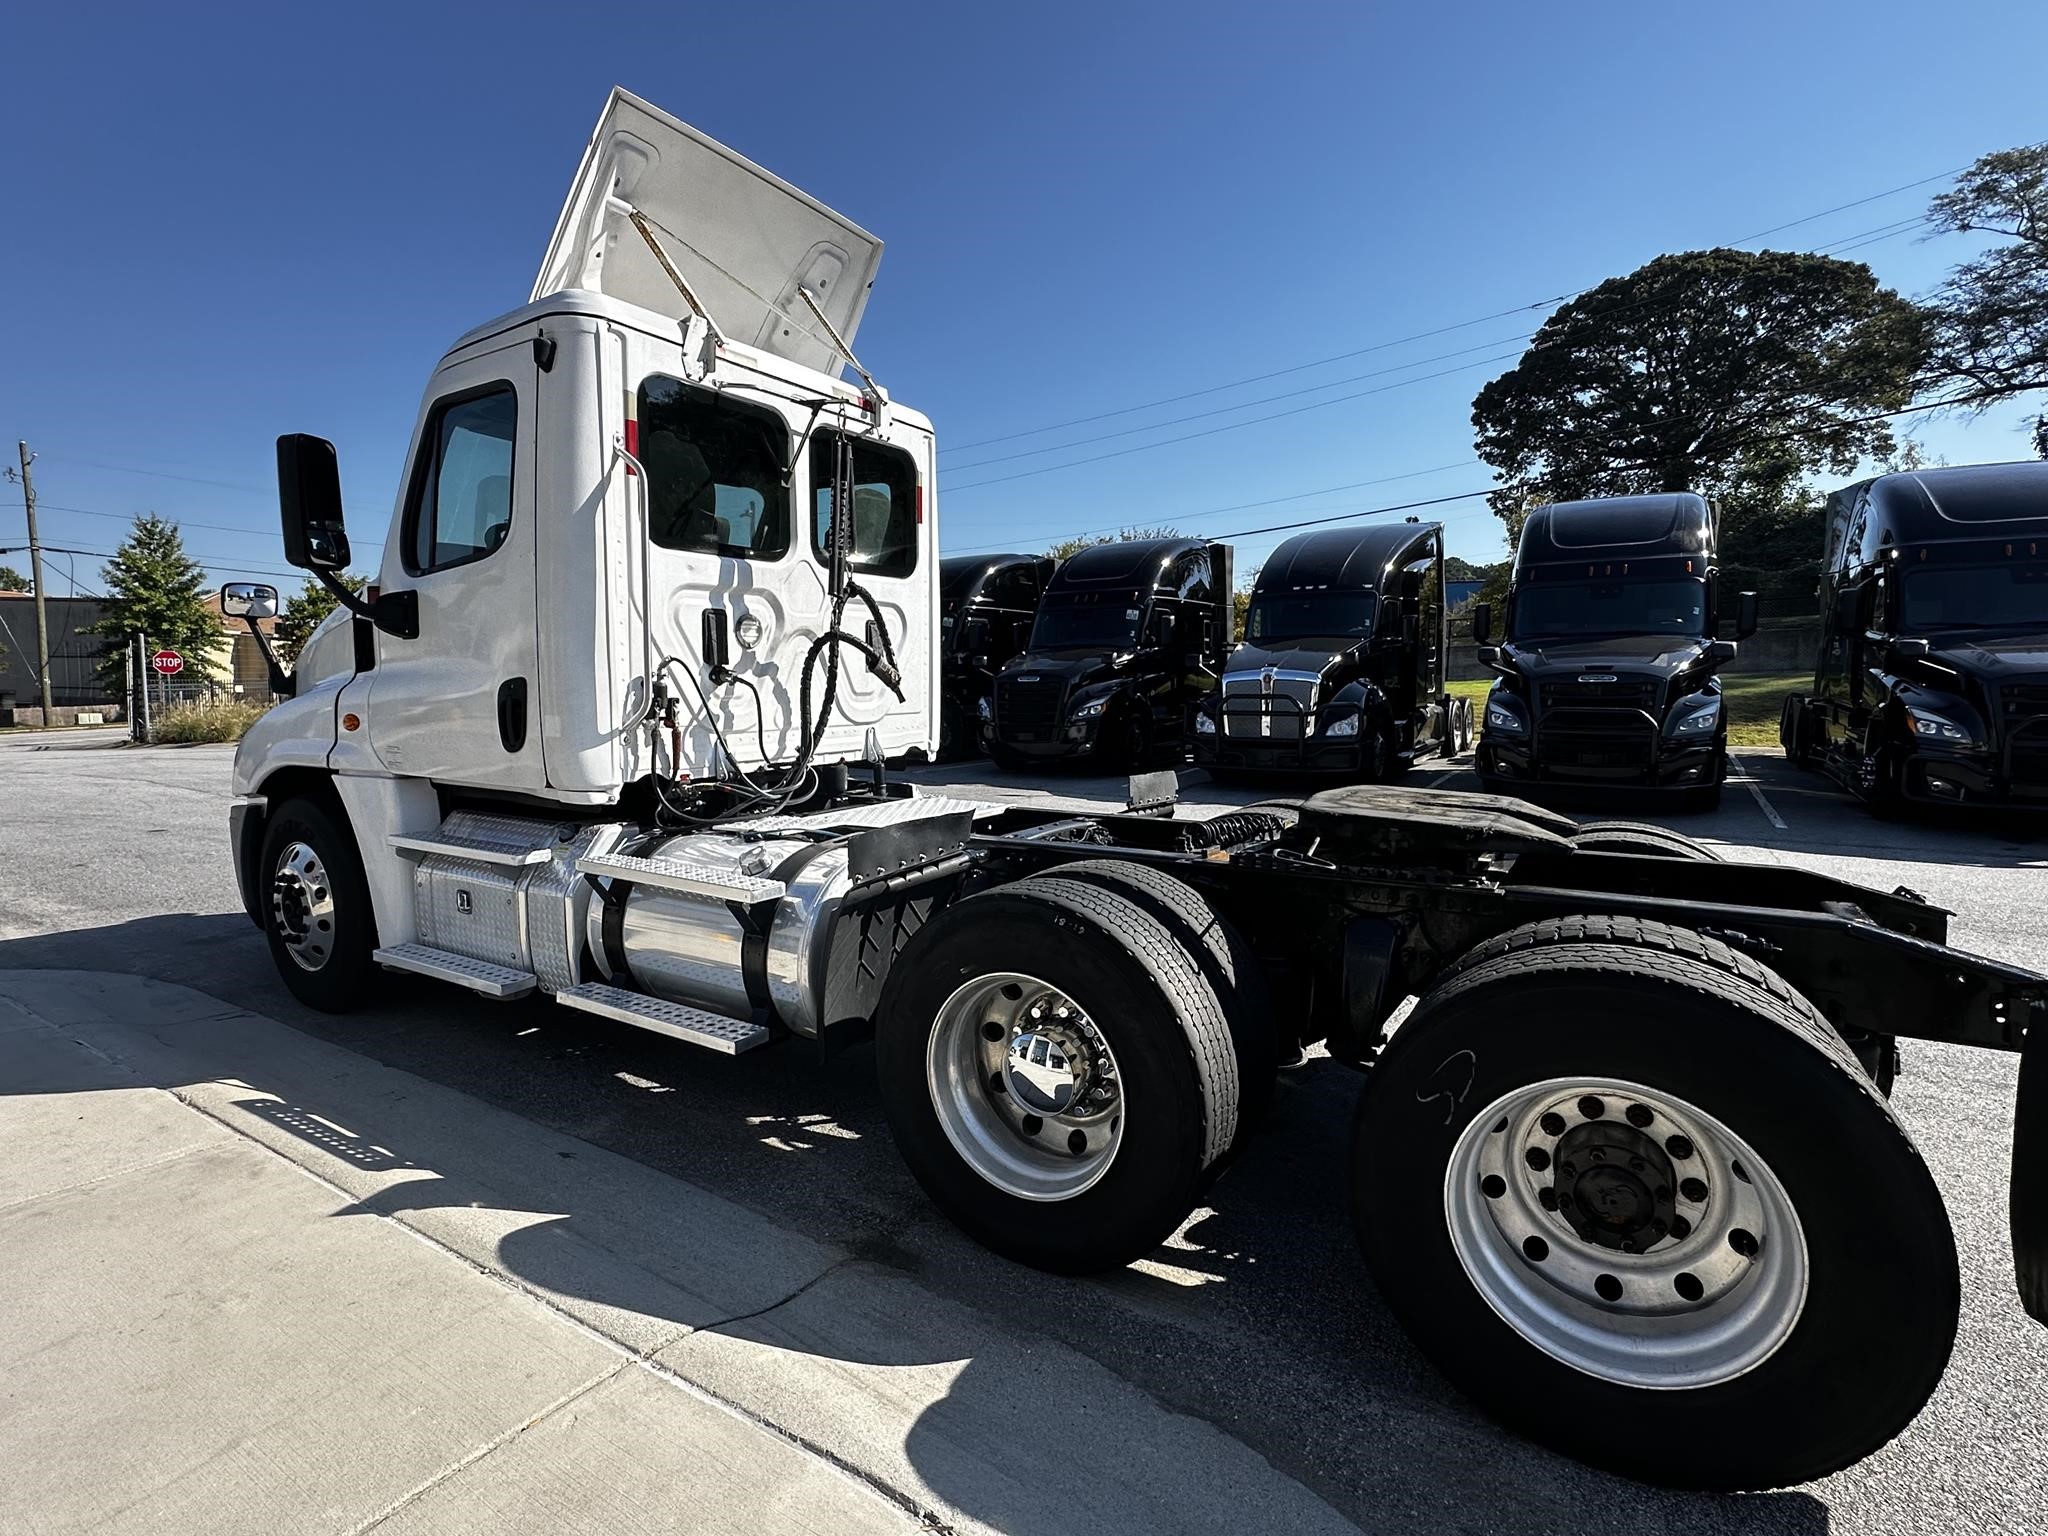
<point>1700,720</point>
<point>1205,725</point>
<point>1345,726</point>
<point>1090,710</point>
<point>1503,717</point>
<point>1928,725</point>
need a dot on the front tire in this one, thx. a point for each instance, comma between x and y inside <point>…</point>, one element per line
<point>316,913</point>
<point>1076,1168</point>
<point>1715,1094</point>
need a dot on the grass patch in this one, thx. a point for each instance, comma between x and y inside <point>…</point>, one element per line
<point>196,720</point>
<point>1752,700</point>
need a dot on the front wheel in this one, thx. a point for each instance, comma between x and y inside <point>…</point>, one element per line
<point>316,912</point>
<point>1643,1207</point>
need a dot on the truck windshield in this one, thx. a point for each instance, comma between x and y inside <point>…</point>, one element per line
<point>1296,615</point>
<point>1571,610</point>
<point>1976,597</point>
<point>1087,626</point>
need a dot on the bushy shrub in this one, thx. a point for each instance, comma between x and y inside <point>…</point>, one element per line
<point>221,719</point>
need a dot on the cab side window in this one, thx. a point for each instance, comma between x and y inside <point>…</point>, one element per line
<point>715,478</point>
<point>459,508</point>
<point>885,508</point>
<point>1015,588</point>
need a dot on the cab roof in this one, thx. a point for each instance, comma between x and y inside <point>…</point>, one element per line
<point>1966,501</point>
<point>1620,527</point>
<point>1354,558</point>
<point>1126,563</point>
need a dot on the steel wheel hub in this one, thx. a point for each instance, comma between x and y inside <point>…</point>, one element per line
<point>1626,1233</point>
<point>302,906</point>
<point>1025,1087</point>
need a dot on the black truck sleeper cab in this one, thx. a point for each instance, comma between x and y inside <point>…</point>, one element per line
<point>1127,635</point>
<point>1340,669</point>
<point>986,607</point>
<point>1607,664</point>
<point>1932,681</point>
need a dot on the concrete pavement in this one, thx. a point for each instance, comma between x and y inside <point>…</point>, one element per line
<point>259,1283</point>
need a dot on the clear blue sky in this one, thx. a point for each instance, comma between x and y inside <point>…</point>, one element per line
<point>221,225</point>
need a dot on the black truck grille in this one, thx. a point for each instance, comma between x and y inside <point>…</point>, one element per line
<point>1027,709</point>
<point>1622,693</point>
<point>1618,741</point>
<point>2024,707</point>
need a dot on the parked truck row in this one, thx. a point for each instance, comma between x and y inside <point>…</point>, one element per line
<point>659,601</point>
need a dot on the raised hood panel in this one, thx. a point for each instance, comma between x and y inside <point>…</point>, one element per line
<point>744,239</point>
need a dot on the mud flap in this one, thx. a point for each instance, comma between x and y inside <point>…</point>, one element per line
<point>2030,1170</point>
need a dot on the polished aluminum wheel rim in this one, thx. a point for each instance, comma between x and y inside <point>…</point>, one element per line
<point>302,906</point>
<point>1025,1087</point>
<point>1626,1233</point>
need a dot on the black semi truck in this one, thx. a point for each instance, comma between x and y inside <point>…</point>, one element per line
<point>1128,635</point>
<point>986,607</point>
<point>1608,655</point>
<point>1341,666</point>
<point>1932,682</point>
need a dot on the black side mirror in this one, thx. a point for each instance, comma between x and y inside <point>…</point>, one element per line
<point>974,637</point>
<point>1720,652</point>
<point>1745,615</point>
<point>309,503</point>
<point>1159,629</point>
<point>1482,623</point>
<point>1909,647</point>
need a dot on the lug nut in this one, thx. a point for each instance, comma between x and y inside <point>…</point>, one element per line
<point>1694,1190</point>
<point>1678,1146</point>
<point>1493,1185</point>
<point>1639,1115</point>
<point>1688,1286</point>
<point>1743,1242</point>
<point>1033,1125</point>
<point>1637,1165</point>
<point>1591,1107</point>
<point>1608,1287</point>
<point>1537,1249</point>
<point>991,1030</point>
<point>1537,1158</point>
<point>1552,1123</point>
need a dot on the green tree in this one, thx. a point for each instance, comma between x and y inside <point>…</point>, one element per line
<point>12,580</point>
<point>302,615</point>
<point>1075,545</point>
<point>154,588</point>
<point>1725,372</point>
<point>1990,338</point>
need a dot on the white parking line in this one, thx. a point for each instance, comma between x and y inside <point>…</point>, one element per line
<point>1770,811</point>
<point>1442,779</point>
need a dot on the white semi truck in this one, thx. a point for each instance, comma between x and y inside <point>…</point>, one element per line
<point>659,601</point>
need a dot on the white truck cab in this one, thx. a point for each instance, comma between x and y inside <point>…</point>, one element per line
<point>611,578</point>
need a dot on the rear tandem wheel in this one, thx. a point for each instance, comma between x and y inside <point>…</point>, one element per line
<point>1637,1200</point>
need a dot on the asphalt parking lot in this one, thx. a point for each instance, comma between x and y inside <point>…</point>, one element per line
<point>1258,1318</point>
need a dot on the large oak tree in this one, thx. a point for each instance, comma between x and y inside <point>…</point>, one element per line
<point>1731,373</point>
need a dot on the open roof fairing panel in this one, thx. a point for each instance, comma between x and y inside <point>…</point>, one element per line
<point>742,238</point>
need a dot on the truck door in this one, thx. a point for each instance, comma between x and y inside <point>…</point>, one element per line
<point>459,703</point>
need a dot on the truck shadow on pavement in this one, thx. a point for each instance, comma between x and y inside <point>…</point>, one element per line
<point>713,1215</point>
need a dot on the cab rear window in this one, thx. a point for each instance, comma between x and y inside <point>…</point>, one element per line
<point>885,510</point>
<point>715,476</point>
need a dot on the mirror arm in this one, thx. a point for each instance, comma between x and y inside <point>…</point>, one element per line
<point>282,683</point>
<point>396,613</point>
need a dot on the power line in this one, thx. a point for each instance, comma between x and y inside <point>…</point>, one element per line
<point>1438,331</point>
<point>179,522</point>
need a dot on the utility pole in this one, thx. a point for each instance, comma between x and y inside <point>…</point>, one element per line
<point>35,562</point>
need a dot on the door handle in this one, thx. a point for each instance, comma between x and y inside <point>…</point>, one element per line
<point>512,713</point>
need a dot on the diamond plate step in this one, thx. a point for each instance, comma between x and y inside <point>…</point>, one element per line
<point>690,879</point>
<point>444,965</point>
<point>713,1031</point>
<point>477,850</point>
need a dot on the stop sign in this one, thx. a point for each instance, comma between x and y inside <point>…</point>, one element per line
<point>167,661</point>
